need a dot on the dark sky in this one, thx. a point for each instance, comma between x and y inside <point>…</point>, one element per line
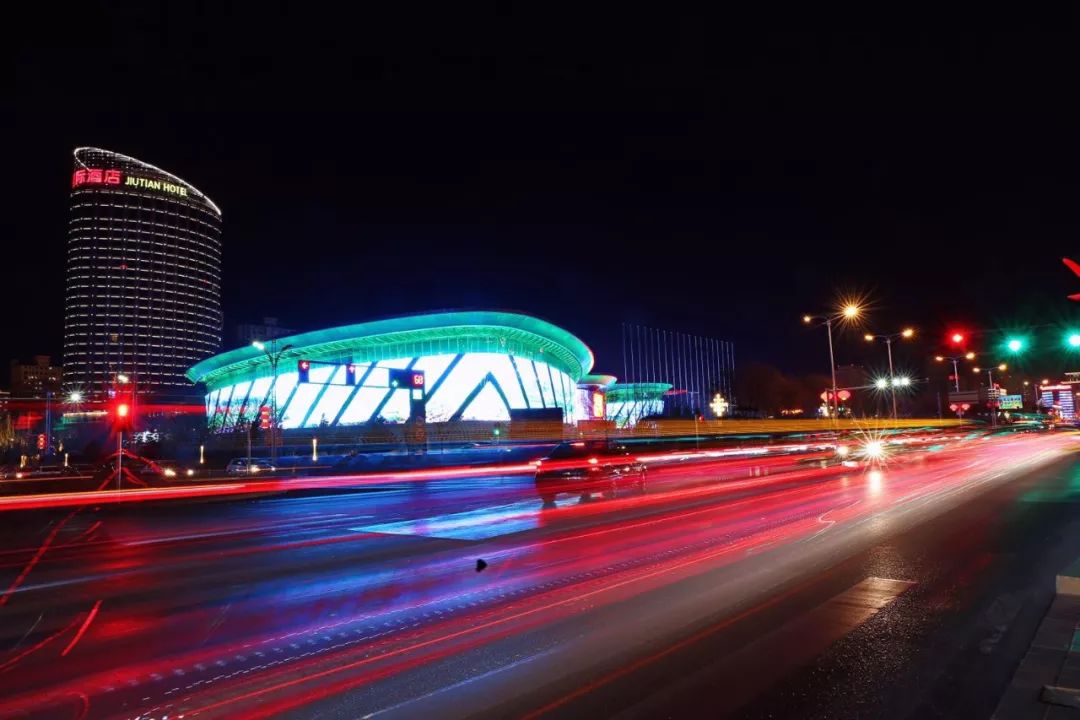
<point>716,174</point>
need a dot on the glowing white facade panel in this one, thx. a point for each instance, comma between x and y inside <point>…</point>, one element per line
<point>464,386</point>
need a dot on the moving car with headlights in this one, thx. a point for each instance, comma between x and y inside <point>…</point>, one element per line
<point>587,467</point>
<point>246,466</point>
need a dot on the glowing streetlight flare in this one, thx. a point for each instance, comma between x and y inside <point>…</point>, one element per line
<point>258,345</point>
<point>970,356</point>
<point>939,358</point>
<point>75,397</point>
<point>868,337</point>
<point>907,332</point>
<point>807,319</point>
<point>1003,367</point>
<point>851,311</point>
<point>881,383</point>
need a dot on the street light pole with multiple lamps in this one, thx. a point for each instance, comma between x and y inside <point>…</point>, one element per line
<point>273,354</point>
<point>848,312</point>
<point>906,334</point>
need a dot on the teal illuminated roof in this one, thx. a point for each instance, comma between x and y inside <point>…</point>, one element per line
<point>598,380</point>
<point>410,336</point>
<point>622,392</point>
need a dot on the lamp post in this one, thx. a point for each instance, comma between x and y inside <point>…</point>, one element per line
<point>848,312</point>
<point>955,368</point>
<point>273,354</point>
<point>906,333</point>
<point>990,389</point>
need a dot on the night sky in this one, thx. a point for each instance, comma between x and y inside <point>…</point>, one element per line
<point>714,174</point>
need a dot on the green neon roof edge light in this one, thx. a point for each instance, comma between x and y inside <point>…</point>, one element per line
<point>371,341</point>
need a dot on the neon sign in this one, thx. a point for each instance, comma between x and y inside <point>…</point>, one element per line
<point>147,183</point>
<point>100,176</point>
<point>95,176</point>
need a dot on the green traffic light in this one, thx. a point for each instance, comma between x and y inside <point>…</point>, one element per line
<point>1072,340</point>
<point>1015,345</point>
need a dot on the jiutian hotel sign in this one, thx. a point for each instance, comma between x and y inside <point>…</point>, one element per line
<point>98,176</point>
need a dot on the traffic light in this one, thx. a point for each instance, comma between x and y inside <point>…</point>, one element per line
<point>350,374</point>
<point>1016,344</point>
<point>303,369</point>
<point>1072,340</point>
<point>123,413</point>
<point>414,379</point>
<point>957,337</point>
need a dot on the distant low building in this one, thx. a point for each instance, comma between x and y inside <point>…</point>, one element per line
<point>247,333</point>
<point>36,378</point>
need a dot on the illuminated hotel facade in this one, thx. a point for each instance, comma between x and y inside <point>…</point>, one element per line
<point>143,295</point>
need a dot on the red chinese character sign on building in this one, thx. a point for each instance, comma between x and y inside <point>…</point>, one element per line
<point>264,417</point>
<point>95,176</point>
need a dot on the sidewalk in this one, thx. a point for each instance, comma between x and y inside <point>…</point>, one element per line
<point>1046,686</point>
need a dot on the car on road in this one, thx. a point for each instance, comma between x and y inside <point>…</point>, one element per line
<point>40,472</point>
<point>245,466</point>
<point>138,471</point>
<point>586,467</point>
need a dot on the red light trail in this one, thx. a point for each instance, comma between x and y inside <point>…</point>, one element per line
<point>283,644</point>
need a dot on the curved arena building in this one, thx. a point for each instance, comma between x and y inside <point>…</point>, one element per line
<point>143,294</point>
<point>475,365</point>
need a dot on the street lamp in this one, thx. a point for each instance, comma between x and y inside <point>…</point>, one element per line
<point>850,311</point>
<point>990,390</point>
<point>273,354</point>
<point>75,397</point>
<point>906,333</point>
<point>955,359</point>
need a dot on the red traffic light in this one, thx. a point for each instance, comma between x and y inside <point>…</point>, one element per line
<point>122,414</point>
<point>41,441</point>
<point>957,338</point>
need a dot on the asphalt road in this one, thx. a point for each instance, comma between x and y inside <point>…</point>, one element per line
<point>742,586</point>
